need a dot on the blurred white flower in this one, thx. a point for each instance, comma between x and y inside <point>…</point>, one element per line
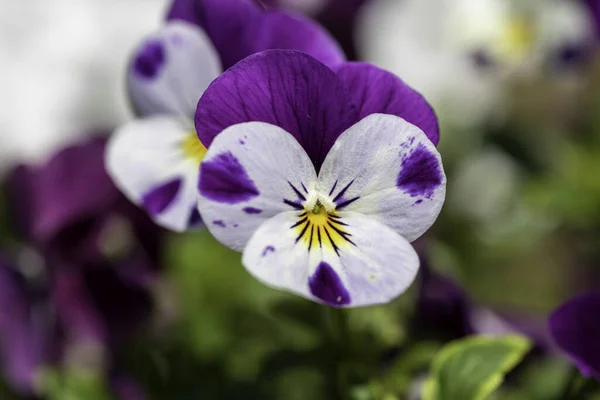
<point>461,53</point>
<point>62,70</point>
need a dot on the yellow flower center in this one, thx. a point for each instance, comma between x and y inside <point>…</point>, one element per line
<point>517,39</point>
<point>192,147</point>
<point>317,228</point>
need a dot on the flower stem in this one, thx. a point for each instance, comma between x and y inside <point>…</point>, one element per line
<point>577,386</point>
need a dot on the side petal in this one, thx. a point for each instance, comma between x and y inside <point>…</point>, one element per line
<point>149,162</point>
<point>386,168</point>
<point>239,28</point>
<point>285,88</point>
<point>171,69</point>
<point>375,90</point>
<point>251,172</point>
<point>366,264</point>
<point>575,328</point>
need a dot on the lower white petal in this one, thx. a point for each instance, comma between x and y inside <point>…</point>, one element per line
<point>342,260</point>
<point>154,162</point>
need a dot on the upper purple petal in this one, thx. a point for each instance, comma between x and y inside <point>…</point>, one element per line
<point>375,90</point>
<point>286,88</point>
<point>575,327</point>
<point>239,28</point>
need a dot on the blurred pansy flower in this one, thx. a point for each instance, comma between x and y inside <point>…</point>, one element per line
<point>154,160</point>
<point>479,43</point>
<point>322,177</point>
<point>575,327</point>
<point>85,267</point>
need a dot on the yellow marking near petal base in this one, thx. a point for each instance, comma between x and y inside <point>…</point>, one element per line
<point>517,39</point>
<point>318,229</point>
<point>193,148</point>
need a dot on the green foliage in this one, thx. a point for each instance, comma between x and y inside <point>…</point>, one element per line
<point>472,368</point>
<point>74,384</point>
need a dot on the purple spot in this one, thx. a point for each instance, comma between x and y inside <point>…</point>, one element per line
<point>420,174</point>
<point>225,180</point>
<point>418,201</point>
<point>242,142</point>
<point>159,198</point>
<point>267,250</point>
<point>149,59</point>
<point>327,286</point>
<point>482,59</point>
<point>195,218</point>
<point>235,225</point>
<point>252,210</point>
<point>220,223</point>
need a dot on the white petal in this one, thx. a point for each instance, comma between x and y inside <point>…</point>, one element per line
<point>252,171</point>
<point>171,69</point>
<point>148,153</point>
<point>386,168</point>
<point>373,265</point>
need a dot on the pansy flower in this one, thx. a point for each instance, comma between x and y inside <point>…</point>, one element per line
<point>482,44</point>
<point>575,327</point>
<point>320,176</point>
<point>154,160</point>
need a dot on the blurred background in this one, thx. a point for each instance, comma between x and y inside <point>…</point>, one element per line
<point>96,302</point>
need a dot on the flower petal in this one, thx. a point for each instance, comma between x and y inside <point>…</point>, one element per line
<point>251,172</point>
<point>386,168</point>
<point>366,264</point>
<point>171,69</point>
<point>239,28</point>
<point>285,88</point>
<point>148,162</point>
<point>71,186</point>
<point>375,90</point>
<point>575,327</point>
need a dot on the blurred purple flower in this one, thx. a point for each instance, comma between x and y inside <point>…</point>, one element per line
<point>575,327</point>
<point>239,28</point>
<point>337,16</point>
<point>95,258</point>
<point>445,310</point>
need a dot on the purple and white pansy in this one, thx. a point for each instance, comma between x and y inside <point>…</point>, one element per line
<point>322,177</point>
<point>154,160</point>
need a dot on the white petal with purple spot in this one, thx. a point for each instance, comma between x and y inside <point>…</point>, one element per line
<point>148,162</point>
<point>344,261</point>
<point>387,169</point>
<point>252,172</point>
<point>171,69</point>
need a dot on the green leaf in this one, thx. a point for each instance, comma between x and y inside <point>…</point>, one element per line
<point>472,368</point>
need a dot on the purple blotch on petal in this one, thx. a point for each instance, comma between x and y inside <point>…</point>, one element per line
<point>225,180</point>
<point>149,59</point>
<point>252,210</point>
<point>327,286</point>
<point>159,198</point>
<point>267,250</point>
<point>420,174</point>
<point>220,223</point>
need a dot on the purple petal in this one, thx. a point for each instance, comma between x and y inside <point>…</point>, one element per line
<point>21,198</point>
<point>575,327</point>
<point>72,186</point>
<point>159,198</point>
<point>285,88</point>
<point>594,6</point>
<point>21,342</point>
<point>327,286</point>
<point>239,28</point>
<point>375,90</point>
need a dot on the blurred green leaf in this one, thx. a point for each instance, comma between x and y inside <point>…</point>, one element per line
<point>74,384</point>
<point>472,368</point>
